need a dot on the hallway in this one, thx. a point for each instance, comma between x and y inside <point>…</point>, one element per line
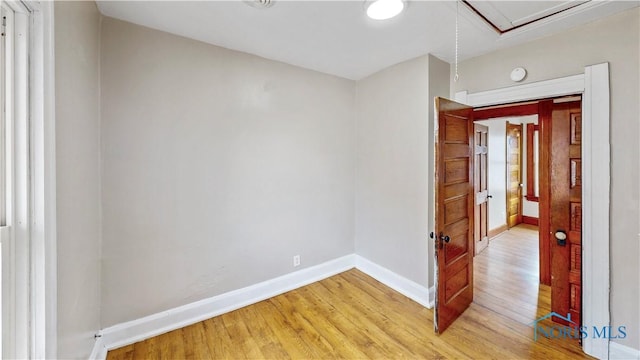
<point>506,276</point>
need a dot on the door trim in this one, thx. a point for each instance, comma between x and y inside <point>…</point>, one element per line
<point>593,84</point>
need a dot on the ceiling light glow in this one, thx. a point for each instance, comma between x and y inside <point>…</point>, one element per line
<point>259,4</point>
<point>384,9</point>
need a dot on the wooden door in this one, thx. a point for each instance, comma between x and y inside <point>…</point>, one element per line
<point>566,210</point>
<point>545,111</point>
<point>454,211</point>
<point>480,215</point>
<point>514,174</point>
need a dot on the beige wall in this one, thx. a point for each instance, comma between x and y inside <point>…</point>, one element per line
<point>77,73</point>
<point>218,168</point>
<point>497,172</point>
<point>613,40</point>
<point>393,152</point>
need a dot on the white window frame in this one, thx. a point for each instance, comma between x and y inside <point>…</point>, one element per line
<point>43,181</point>
<point>16,239</point>
<point>5,140</point>
<point>29,274</point>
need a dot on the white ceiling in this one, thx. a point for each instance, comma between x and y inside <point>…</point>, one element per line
<point>336,37</point>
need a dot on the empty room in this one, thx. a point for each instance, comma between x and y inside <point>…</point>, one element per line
<point>359,179</point>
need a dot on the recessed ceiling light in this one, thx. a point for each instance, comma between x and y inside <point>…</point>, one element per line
<point>384,9</point>
<point>260,4</point>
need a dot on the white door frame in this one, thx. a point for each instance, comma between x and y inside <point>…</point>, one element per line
<point>593,84</point>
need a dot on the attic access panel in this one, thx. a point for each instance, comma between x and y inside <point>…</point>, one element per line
<point>505,16</point>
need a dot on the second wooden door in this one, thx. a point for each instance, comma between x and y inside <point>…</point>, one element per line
<point>566,210</point>
<point>480,184</point>
<point>514,174</point>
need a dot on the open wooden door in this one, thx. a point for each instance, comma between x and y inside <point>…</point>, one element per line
<point>566,210</point>
<point>480,184</point>
<point>454,211</point>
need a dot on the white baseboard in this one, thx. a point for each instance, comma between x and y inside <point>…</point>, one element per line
<point>149,326</point>
<point>137,330</point>
<point>622,352</point>
<point>404,286</point>
<point>99,350</point>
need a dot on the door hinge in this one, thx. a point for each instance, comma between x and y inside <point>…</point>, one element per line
<point>4,24</point>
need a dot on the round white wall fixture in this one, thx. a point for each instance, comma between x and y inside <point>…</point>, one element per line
<point>518,74</point>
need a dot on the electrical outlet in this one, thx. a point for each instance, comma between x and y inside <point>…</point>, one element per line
<point>296,260</point>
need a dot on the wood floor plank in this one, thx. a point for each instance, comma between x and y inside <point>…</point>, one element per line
<point>284,332</point>
<point>318,346</point>
<point>263,335</point>
<point>391,316</point>
<point>171,345</point>
<point>218,340</point>
<point>352,308</point>
<point>326,324</point>
<point>123,353</point>
<point>408,315</point>
<point>194,342</point>
<point>147,349</point>
<point>236,326</point>
<point>353,316</point>
<point>343,324</point>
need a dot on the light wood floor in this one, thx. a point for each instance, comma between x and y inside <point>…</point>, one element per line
<point>353,316</point>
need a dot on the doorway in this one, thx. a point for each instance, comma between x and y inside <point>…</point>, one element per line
<point>593,84</point>
<point>560,133</point>
<point>560,184</point>
<point>507,198</point>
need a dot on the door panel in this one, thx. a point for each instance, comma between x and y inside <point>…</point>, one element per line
<point>454,211</point>
<point>481,220</point>
<point>566,209</point>
<point>514,174</point>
